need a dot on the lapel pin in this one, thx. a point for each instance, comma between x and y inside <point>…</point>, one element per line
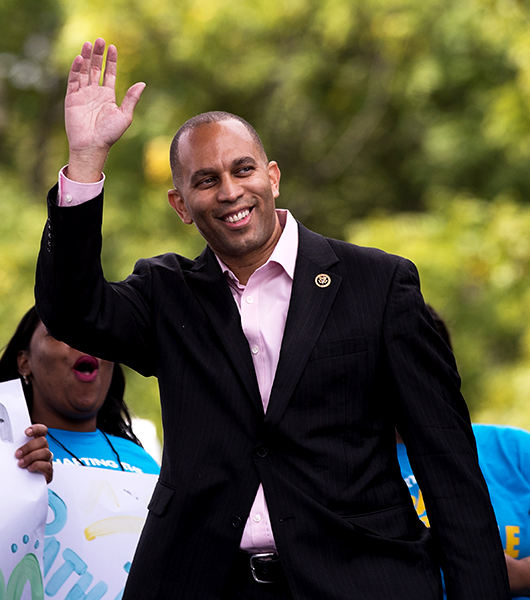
<point>322,280</point>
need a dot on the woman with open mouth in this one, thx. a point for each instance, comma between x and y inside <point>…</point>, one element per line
<point>78,397</point>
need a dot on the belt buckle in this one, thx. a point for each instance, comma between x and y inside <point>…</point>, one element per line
<point>254,558</point>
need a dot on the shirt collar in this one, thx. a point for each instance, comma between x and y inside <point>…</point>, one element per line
<point>285,251</point>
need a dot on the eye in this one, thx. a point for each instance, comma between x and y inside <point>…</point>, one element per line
<point>206,182</point>
<point>244,171</point>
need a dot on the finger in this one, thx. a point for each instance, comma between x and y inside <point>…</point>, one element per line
<point>131,99</point>
<point>86,54</point>
<point>96,61</point>
<point>36,430</point>
<point>44,467</point>
<point>37,455</point>
<point>74,75</point>
<point>37,443</point>
<point>111,66</point>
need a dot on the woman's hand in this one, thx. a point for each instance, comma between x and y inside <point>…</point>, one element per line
<point>35,455</point>
<point>519,575</point>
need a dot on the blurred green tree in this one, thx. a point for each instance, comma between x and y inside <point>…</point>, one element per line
<point>369,106</point>
<point>474,262</point>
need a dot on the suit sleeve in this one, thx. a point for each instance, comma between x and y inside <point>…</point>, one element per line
<point>76,303</point>
<point>433,420</point>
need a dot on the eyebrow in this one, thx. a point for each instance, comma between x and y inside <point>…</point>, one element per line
<point>244,160</point>
<point>237,162</point>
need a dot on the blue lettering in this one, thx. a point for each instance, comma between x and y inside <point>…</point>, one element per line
<point>79,589</point>
<point>72,562</point>
<point>51,550</point>
<point>56,503</point>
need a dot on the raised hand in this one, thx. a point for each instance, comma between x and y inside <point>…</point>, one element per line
<point>93,120</point>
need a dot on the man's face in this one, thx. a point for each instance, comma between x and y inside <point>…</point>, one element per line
<point>228,190</point>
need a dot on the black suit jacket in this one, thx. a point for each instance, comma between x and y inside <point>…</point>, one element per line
<point>358,357</point>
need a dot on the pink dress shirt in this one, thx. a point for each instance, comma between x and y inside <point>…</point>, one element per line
<point>72,193</point>
<point>263,304</point>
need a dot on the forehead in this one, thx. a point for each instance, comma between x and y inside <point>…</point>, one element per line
<point>41,339</point>
<point>40,331</point>
<point>212,144</point>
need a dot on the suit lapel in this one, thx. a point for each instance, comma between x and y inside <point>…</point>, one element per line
<point>308,310</point>
<point>208,284</point>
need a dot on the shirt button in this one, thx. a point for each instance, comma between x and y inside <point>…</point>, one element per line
<point>257,518</point>
<point>250,299</point>
<point>255,350</point>
<point>68,197</point>
<point>262,451</point>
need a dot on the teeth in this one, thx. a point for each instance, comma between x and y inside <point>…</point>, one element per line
<point>238,217</point>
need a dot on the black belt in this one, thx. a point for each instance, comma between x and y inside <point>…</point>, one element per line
<point>265,567</point>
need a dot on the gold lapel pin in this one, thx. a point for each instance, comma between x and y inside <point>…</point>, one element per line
<point>323,280</point>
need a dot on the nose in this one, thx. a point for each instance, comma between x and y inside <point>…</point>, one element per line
<point>229,190</point>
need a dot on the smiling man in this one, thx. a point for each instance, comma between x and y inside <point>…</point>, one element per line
<point>225,185</point>
<point>284,361</point>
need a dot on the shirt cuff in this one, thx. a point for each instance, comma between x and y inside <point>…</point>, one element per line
<point>72,193</point>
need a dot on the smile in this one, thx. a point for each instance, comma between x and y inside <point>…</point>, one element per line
<point>86,368</point>
<point>237,217</point>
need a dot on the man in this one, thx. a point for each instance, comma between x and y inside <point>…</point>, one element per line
<point>284,360</point>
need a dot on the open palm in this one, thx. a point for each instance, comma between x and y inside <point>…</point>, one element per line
<point>93,120</point>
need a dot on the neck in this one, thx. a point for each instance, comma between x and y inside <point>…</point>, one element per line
<point>58,422</point>
<point>244,273</point>
<point>244,266</point>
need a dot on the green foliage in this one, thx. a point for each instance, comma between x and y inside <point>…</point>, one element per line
<point>474,264</point>
<point>20,232</point>
<point>367,106</point>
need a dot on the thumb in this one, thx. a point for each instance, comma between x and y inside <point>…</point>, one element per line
<point>131,99</point>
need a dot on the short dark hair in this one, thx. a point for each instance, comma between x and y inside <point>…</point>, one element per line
<point>213,116</point>
<point>113,417</point>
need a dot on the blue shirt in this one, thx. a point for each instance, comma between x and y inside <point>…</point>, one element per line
<point>92,449</point>
<point>504,457</point>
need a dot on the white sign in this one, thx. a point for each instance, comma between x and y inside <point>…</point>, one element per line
<point>23,504</point>
<point>94,521</point>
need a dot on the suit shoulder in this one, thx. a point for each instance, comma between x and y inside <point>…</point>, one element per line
<point>341,246</point>
<point>366,255</point>
<point>166,262</point>
<point>330,251</point>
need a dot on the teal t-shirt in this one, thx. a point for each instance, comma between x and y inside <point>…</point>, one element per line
<point>94,450</point>
<point>504,457</point>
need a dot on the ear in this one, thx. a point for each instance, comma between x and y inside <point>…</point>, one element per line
<point>274,177</point>
<point>23,363</point>
<point>176,201</point>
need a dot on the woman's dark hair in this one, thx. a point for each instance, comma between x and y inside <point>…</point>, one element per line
<point>113,417</point>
